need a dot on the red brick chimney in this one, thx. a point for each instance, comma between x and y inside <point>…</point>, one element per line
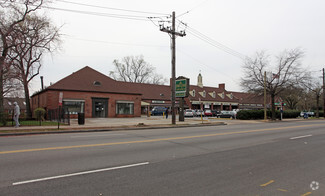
<point>222,86</point>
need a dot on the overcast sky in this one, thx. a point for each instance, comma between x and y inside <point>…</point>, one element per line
<point>243,26</point>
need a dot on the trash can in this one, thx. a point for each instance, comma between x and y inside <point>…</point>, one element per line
<point>81,118</point>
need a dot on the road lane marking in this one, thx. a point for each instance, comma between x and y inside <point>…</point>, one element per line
<point>309,193</point>
<point>269,182</point>
<point>80,136</point>
<point>299,137</point>
<point>79,173</point>
<point>282,190</point>
<point>154,140</point>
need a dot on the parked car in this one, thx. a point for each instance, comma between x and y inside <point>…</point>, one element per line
<point>194,113</point>
<point>199,113</point>
<point>188,113</point>
<point>302,114</point>
<point>207,113</point>
<point>226,114</point>
<point>158,111</point>
<point>215,112</point>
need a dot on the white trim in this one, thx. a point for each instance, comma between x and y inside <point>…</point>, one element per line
<point>125,102</point>
<point>73,100</point>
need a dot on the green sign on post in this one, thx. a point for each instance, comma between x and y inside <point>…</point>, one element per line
<point>181,87</point>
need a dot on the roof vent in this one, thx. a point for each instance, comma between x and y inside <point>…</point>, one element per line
<point>97,83</point>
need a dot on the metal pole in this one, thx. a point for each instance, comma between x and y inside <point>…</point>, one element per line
<point>59,118</point>
<point>324,92</point>
<point>181,110</point>
<point>173,69</point>
<point>265,117</point>
<point>281,111</point>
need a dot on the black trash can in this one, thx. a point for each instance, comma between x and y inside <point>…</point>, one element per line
<point>81,118</point>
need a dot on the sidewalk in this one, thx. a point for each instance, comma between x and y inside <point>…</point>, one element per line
<point>110,124</point>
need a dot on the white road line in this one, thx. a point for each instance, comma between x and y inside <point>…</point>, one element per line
<point>79,173</point>
<point>80,136</point>
<point>293,138</point>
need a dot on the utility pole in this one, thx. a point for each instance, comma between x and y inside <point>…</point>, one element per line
<point>265,117</point>
<point>324,92</point>
<point>172,31</point>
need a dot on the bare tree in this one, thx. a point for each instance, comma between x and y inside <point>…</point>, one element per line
<point>12,13</point>
<point>33,37</point>
<point>284,71</point>
<point>293,96</point>
<point>314,85</point>
<point>135,69</point>
<point>11,85</point>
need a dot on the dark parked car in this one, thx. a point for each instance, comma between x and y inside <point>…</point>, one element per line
<point>226,114</point>
<point>215,112</point>
<point>158,111</point>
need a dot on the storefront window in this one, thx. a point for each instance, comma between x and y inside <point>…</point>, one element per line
<point>74,106</point>
<point>124,107</point>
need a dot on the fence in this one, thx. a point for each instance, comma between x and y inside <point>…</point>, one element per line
<point>52,117</point>
<point>59,115</point>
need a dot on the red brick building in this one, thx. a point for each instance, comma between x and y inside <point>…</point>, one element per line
<point>98,96</point>
<point>90,92</point>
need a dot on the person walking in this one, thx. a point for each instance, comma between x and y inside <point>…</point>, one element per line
<point>16,114</point>
<point>166,113</point>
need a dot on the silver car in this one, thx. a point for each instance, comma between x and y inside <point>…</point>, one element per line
<point>199,113</point>
<point>188,113</point>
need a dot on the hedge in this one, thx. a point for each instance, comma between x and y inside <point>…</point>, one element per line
<point>259,114</point>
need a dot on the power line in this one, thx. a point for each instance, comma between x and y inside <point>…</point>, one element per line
<point>193,8</point>
<point>116,43</point>
<point>208,66</point>
<point>111,8</point>
<point>130,17</point>
<point>213,42</point>
<point>120,16</point>
<point>231,52</point>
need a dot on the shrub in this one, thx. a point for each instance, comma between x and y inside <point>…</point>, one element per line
<point>250,114</point>
<point>291,114</point>
<point>259,114</point>
<point>39,113</point>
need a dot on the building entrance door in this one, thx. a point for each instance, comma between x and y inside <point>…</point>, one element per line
<point>100,108</point>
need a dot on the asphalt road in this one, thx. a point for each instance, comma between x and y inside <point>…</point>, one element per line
<point>285,158</point>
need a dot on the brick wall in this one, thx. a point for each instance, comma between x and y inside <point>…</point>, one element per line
<point>50,100</point>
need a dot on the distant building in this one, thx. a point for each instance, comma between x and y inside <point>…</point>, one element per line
<point>98,96</point>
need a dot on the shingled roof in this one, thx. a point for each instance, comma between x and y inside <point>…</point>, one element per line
<point>249,98</point>
<point>208,97</point>
<point>90,80</point>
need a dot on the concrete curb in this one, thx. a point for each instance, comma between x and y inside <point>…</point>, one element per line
<point>117,128</point>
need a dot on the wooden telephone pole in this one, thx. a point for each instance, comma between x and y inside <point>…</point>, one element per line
<point>324,92</point>
<point>172,31</point>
